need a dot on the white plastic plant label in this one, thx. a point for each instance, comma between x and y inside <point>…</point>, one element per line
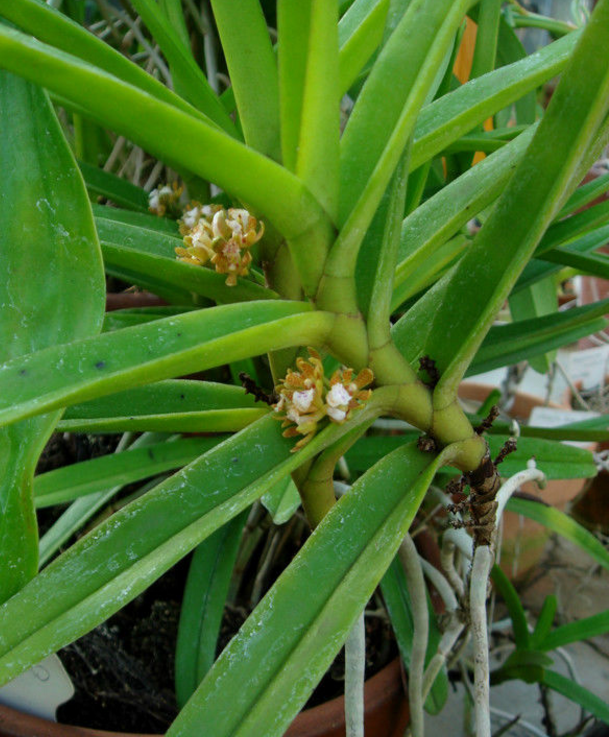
<point>552,417</point>
<point>588,369</point>
<point>40,690</point>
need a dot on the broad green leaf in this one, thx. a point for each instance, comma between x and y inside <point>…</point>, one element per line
<point>455,325</point>
<point>53,27</point>
<point>360,32</point>
<point>571,690</point>
<point>281,501</point>
<point>458,112</point>
<point>101,183</point>
<point>514,606</point>
<point>170,347</point>
<point>397,601</point>
<point>328,584</point>
<point>505,344</point>
<point>203,602</point>
<point>113,563</point>
<point>371,448</point>
<point>564,525</point>
<point>583,629</point>
<point>193,144</point>
<point>118,469</point>
<point>151,253</point>
<point>50,257</point>
<point>253,71</point>
<point>556,460</point>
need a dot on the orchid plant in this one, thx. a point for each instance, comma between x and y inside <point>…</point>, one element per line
<point>318,242</point>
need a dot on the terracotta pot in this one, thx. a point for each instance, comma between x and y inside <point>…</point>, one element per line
<point>386,715</point>
<point>524,540</point>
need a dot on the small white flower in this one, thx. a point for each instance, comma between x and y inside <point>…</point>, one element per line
<point>338,396</point>
<point>191,217</point>
<point>338,415</point>
<point>303,400</point>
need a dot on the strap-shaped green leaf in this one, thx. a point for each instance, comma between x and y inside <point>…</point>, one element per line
<point>360,32</point>
<point>455,114</point>
<point>173,135</point>
<point>505,344</point>
<point>107,568</point>
<point>170,347</point>
<point>459,310</point>
<point>152,254</point>
<point>328,584</point>
<point>564,525</point>
<point>203,603</point>
<point>120,191</point>
<point>582,629</point>
<point>556,460</point>
<point>253,71</point>
<point>117,469</point>
<point>50,256</point>
<point>575,692</point>
<point>53,27</point>
<point>167,406</point>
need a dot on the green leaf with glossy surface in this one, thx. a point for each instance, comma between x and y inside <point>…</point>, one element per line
<point>152,253</point>
<point>556,460</point>
<point>102,183</point>
<point>173,346</point>
<point>253,71</point>
<point>193,144</point>
<point>360,32</point>
<point>564,525</point>
<point>167,406</point>
<point>277,659</point>
<point>55,28</point>
<point>571,690</point>
<point>203,602</point>
<point>118,469</point>
<point>460,309</point>
<point>282,501</point>
<point>517,341</point>
<point>112,564</point>
<point>50,256</point>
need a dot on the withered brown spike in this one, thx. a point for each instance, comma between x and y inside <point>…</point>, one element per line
<point>455,486</point>
<point>429,365</point>
<point>508,447</point>
<point>259,394</point>
<point>487,423</point>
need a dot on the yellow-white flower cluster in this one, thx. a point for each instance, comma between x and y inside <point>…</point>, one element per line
<point>221,236</point>
<point>306,397</point>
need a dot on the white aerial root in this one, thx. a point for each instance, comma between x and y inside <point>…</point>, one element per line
<point>355,666</point>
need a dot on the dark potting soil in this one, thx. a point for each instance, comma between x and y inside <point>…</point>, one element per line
<point>123,671</point>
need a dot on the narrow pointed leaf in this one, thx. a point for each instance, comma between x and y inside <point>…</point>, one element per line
<point>583,629</point>
<point>360,32</point>
<point>203,603</point>
<point>328,583</point>
<point>253,71</point>
<point>101,183</point>
<point>589,701</point>
<point>508,238</point>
